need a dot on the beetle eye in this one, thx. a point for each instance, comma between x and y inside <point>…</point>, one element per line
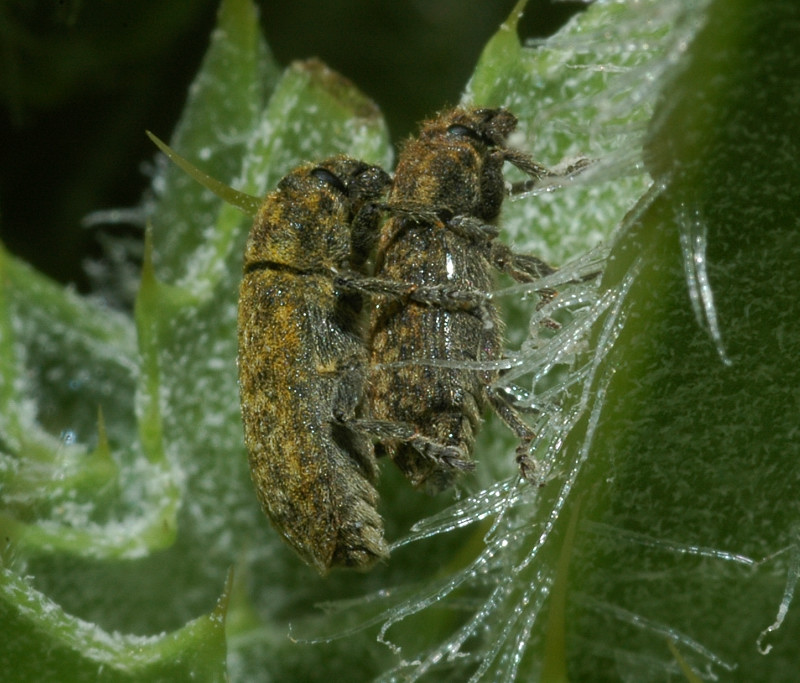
<point>326,176</point>
<point>459,131</point>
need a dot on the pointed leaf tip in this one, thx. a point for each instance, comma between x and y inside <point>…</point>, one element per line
<point>246,203</point>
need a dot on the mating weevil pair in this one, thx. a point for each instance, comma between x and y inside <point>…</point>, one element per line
<point>312,398</point>
<point>303,361</point>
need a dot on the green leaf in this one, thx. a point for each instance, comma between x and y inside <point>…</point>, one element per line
<point>96,494</point>
<point>224,105</point>
<point>692,467</point>
<point>80,651</point>
<point>663,541</point>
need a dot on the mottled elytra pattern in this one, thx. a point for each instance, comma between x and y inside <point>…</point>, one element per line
<point>448,188</point>
<point>302,363</point>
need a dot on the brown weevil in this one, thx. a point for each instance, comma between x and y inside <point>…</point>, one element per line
<point>302,357</point>
<point>448,189</point>
<point>302,363</point>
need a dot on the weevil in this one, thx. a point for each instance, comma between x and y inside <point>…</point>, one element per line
<point>448,190</point>
<point>302,363</point>
<point>302,357</point>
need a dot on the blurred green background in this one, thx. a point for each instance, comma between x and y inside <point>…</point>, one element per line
<point>80,81</point>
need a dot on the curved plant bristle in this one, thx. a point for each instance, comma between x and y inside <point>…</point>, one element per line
<point>246,203</point>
